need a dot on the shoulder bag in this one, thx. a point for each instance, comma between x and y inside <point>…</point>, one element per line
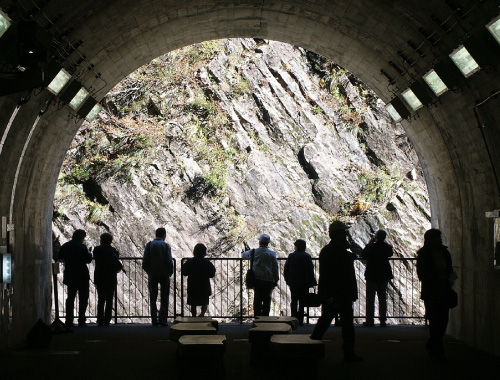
<point>250,277</point>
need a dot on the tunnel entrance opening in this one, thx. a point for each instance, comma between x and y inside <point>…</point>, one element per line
<point>389,46</point>
<point>223,140</point>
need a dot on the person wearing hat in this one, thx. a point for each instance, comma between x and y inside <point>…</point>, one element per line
<point>265,268</point>
<point>337,288</point>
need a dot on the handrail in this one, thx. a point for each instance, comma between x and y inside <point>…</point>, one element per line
<point>232,301</point>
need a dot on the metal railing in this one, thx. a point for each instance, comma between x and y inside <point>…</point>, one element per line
<point>232,302</point>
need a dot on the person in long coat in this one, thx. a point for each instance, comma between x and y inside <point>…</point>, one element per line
<point>435,271</point>
<point>199,271</point>
<point>299,276</point>
<point>107,266</point>
<point>378,273</point>
<point>76,256</point>
<point>337,288</point>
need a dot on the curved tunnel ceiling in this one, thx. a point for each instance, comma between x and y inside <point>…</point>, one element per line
<point>390,45</point>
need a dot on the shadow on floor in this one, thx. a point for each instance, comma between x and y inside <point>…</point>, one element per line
<point>142,352</point>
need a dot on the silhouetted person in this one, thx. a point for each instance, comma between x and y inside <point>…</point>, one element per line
<point>107,266</point>
<point>199,271</point>
<point>378,273</point>
<point>159,266</point>
<point>265,268</point>
<point>76,256</point>
<point>299,276</point>
<point>435,271</point>
<point>337,288</point>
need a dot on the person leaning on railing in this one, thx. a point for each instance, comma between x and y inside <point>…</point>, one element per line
<point>107,265</point>
<point>378,273</point>
<point>265,267</point>
<point>199,271</point>
<point>159,266</point>
<point>299,276</point>
<point>76,256</point>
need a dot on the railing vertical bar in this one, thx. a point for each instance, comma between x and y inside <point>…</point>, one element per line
<point>175,288</point>
<point>182,291</point>
<point>241,291</point>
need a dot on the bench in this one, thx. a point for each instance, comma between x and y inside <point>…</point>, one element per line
<point>260,335</point>
<point>292,321</point>
<point>180,329</point>
<point>197,320</point>
<point>297,346</point>
<point>206,346</point>
<point>296,356</point>
<point>202,355</point>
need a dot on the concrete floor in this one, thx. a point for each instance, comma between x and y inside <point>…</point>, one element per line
<point>136,351</point>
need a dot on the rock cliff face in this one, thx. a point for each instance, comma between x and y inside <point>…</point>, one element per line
<point>225,140</point>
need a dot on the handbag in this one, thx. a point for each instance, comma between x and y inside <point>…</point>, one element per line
<point>250,277</point>
<point>311,300</point>
<point>451,298</point>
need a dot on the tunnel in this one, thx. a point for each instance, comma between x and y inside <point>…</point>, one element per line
<point>393,46</point>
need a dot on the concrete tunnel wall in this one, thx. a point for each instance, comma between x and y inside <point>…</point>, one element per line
<point>362,36</point>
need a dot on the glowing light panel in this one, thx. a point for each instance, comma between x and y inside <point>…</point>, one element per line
<point>464,61</point>
<point>412,99</point>
<point>494,28</point>
<point>79,98</point>
<point>59,81</point>
<point>4,23</point>
<point>94,112</point>
<point>435,83</point>
<point>6,268</point>
<point>393,113</point>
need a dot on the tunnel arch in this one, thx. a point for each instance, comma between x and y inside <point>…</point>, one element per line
<point>119,36</point>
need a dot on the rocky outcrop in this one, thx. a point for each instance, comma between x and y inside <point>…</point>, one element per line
<point>225,140</point>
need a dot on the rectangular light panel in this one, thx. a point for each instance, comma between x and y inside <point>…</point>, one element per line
<point>94,112</point>
<point>393,113</point>
<point>494,28</point>
<point>59,81</point>
<point>435,83</point>
<point>412,99</point>
<point>464,61</point>
<point>6,268</point>
<point>79,98</point>
<point>4,23</point>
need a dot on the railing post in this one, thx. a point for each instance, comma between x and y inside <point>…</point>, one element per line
<point>241,291</point>
<point>116,303</point>
<point>175,288</point>
<point>182,293</point>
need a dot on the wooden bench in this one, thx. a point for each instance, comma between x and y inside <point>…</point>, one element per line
<point>292,321</point>
<point>296,356</point>
<point>262,332</point>
<point>199,328</point>
<point>260,335</point>
<point>201,356</point>
<point>206,346</point>
<point>297,346</point>
<point>197,320</point>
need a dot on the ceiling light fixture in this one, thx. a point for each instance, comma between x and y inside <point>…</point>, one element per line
<point>5,22</point>
<point>464,61</point>
<point>436,84</point>
<point>494,28</point>
<point>412,100</point>
<point>79,98</point>
<point>393,113</point>
<point>58,83</point>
